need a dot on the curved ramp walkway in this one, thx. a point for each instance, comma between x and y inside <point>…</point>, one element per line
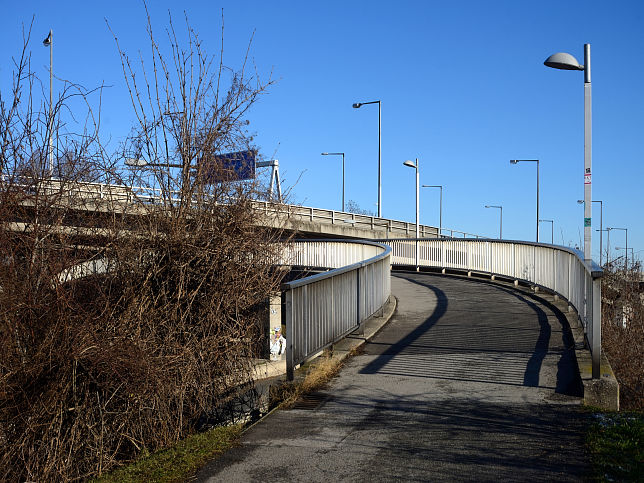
<point>468,381</point>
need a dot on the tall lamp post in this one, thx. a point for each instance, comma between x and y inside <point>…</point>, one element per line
<point>500,219</point>
<point>515,161</point>
<point>601,230</point>
<point>411,164</point>
<point>565,61</point>
<point>552,230</point>
<point>626,230</point>
<point>357,105</point>
<point>440,213</point>
<point>339,154</point>
<point>49,42</point>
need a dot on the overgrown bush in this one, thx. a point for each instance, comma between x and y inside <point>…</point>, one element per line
<point>623,330</point>
<point>127,319</point>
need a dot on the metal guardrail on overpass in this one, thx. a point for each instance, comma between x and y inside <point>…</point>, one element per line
<point>116,193</point>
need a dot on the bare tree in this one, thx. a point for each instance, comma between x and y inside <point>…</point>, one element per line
<point>128,320</point>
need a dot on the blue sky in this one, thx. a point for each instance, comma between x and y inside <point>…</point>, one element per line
<point>462,85</point>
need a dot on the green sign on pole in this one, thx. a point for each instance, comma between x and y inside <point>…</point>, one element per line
<point>587,222</point>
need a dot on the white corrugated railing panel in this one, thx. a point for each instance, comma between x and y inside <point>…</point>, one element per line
<point>323,308</point>
<point>559,269</point>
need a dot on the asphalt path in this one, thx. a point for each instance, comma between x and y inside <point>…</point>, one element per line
<point>469,381</point>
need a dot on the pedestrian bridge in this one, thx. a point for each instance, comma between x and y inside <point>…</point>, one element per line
<point>324,308</point>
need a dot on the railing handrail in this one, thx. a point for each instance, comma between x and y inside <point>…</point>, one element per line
<point>560,269</point>
<point>147,193</point>
<point>323,308</point>
<point>593,267</point>
<point>332,272</point>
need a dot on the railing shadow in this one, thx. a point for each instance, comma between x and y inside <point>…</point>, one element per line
<point>507,349</point>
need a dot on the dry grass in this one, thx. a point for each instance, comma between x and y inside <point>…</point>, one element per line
<point>318,374</point>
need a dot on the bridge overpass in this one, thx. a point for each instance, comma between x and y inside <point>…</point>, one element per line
<point>307,222</point>
<point>324,308</point>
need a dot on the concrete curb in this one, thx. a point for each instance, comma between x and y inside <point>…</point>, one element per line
<point>602,393</point>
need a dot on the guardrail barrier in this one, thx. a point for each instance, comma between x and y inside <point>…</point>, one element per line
<point>559,269</point>
<point>323,308</point>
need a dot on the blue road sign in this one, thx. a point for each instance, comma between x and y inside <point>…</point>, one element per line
<point>230,167</point>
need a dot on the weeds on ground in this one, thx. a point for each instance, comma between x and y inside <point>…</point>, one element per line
<point>614,441</point>
<point>319,373</point>
<point>179,461</point>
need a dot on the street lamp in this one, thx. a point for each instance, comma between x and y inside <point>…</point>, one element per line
<point>500,219</point>
<point>440,214</point>
<point>552,230</point>
<point>338,154</point>
<point>357,105</point>
<point>601,230</point>
<point>626,230</point>
<point>566,61</point>
<point>411,164</point>
<point>515,161</point>
<point>49,42</point>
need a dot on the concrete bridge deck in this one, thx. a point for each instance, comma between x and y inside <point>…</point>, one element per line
<point>468,381</point>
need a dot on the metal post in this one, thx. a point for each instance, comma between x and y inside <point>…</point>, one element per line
<point>418,213</point>
<point>601,230</point>
<point>537,201</point>
<point>379,166</point>
<point>587,155</point>
<point>343,182</point>
<point>440,215</point>
<point>597,328</point>
<point>290,373</point>
<point>501,224</point>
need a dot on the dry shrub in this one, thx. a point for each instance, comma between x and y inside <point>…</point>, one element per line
<point>126,325</point>
<point>623,331</point>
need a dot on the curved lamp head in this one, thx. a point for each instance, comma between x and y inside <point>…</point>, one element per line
<point>410,164</point>
<point>513,161</point>
<point>47,41</point>
<point>324,154</point>
<point>562,60</point>
<point>356,105</point>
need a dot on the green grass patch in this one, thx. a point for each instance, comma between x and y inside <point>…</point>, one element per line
<point>615,443</point>
<point>178,462</point>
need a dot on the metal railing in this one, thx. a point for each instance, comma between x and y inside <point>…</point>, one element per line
<point>149,195</point>
<point>390,228</point>
<point>559,269</point>
<point>322,309</point>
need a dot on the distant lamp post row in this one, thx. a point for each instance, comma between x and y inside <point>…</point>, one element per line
<point>626,254</point>
<point>413,165</point>
<point>357,105</point>
<point>552,230</point>
<point>625,230</point>
<point>339,154</point>
<point>440,212</point>
<point>500,219</point>
<point>515,161</point>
